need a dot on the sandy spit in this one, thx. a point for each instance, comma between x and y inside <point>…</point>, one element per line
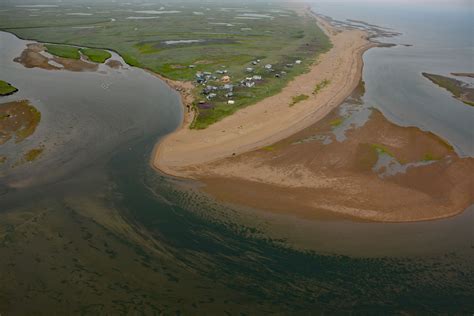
<point>272,119</point>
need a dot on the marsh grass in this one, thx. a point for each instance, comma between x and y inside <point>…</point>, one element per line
<point>298,99</point>
<point>64,51</point>
<point>6,88</point>
<point>320,86</point>
<point>336,122</point>
<point>33,154</point>
<point>96,55</point>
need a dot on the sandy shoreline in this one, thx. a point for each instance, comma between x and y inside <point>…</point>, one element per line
<point>271,119</point>
<point>337,181</point>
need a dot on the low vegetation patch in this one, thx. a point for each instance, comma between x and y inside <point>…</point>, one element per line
<point>320,86</point>
<point>459,89</point>
<point>336,122</point>
<point>430,157</point>
<point>63,51</point>
<point>96,55</point>
<point>6,88</point>
<point>269,148</point>
<point>298,98</point>
<point>382,150</point>
<point>33,154</point>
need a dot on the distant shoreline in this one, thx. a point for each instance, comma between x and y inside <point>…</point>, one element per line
<point>272,119</point>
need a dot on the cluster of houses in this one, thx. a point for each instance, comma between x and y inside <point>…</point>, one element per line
<point>210,91</point>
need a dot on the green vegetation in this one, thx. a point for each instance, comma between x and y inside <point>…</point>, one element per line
<point>6,88</point>
<point>33,154</point>
<point>298,98</point>
<point>336,122</point>
<point>459,89</point>
<point>382,150</point>
<point>430,157</point>
<point>96,55</point>
<point>321,86</point>
<point>269,148</point>
<point>231,41</point>
<point>63,51</point>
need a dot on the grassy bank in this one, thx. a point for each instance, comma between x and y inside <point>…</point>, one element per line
<point>6,88</point>
<point>63,51</point>
<point>96,55</point>
<point>459,89</point>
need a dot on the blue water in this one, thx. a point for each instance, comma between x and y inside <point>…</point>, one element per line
<point>441,35</point>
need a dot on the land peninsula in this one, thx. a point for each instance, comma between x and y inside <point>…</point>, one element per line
<point>459,89</point>
<point>260,157</point>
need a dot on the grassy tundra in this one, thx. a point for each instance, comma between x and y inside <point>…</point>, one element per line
<point>179,40</point>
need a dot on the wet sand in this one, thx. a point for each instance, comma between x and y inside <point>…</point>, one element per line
<point>272,119</point>
<point>306,178</point>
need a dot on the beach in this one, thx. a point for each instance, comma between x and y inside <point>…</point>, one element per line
<point>272,119</point>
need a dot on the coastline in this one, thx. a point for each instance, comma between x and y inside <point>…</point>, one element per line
<point>246,160</point>
<point>272,119</point>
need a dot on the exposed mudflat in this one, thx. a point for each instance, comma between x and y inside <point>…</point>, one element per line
<point>34,56</point>
<point>378,172</point>
<point>18,120</point>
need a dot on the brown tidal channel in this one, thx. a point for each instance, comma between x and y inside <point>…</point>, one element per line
<point>379,172</point>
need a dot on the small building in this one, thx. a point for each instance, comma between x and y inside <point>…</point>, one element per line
<point>211,96</point>
<point>249,69</point>
<point>249,84</point>
<point>257,78</point>
<point>192,66</point>
<point>268,66</point>
<point>209,89</point>
<point>225,79</point>
<point>228,87</point>
<point>231,102</point>
<point>298,62</point>
<point>229,94</point>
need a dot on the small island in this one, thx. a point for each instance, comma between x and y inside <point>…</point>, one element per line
<point>6,88</point>
<point>460,90</point>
